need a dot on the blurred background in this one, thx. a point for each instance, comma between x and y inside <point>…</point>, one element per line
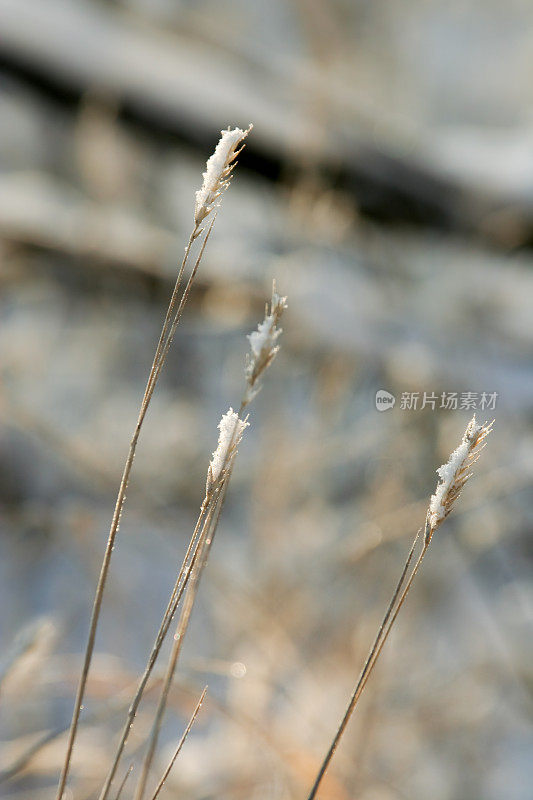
<point>388,187</point>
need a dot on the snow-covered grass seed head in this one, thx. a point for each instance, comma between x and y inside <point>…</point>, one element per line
<point>263,345</point>
<point>218,172</point>
<point>454,474</point>
<point>231,428</point>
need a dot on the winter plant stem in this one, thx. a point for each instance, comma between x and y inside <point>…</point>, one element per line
<point>175,597</point>
<point>214,498</point>
<point>180,745</point>
<point>216,180</point>
<point>165,339</point>
<point>387,622</point>
<point>206,538</point>
<point>123,783</point>
<point>263,351</point>
<point>453,476</point>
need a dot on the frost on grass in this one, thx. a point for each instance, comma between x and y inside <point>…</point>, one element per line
<point>263,344</point>
<point>218,172</point>
<point>264,338</point>
<point>454,474</point>
<point>231,429</point>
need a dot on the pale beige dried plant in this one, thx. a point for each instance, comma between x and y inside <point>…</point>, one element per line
<point>181,742</point>
<point>216,180</point>
<point>264,348</point>
<point>453,476</point>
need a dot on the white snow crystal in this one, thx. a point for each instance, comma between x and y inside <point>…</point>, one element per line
<point>448,472</point>
<point>263,345</point>
<point>217,173</point>
<point>231,429</point>
<point>265,336</point>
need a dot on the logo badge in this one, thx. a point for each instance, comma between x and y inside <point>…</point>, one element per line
<point>384,400</point>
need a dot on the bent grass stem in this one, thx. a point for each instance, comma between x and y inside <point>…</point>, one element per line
<point>165,339</point>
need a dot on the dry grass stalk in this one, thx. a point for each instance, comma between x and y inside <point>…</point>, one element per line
<point>175,597</point>
<point>454,474</point>
<point>231,427</point>
<point>124,780</point>
<point>216,180</point>
<point>180,745</point>
<point>226,450</point>
<point>204,542</point>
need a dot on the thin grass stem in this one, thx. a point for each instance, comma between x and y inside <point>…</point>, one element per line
<point>373,654</point>
<point>161,352</point>
<point>175,597</point>
<point>453,476</point>
<point>123,782</point>
<point>180,745</point>
<point>205,540</point>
